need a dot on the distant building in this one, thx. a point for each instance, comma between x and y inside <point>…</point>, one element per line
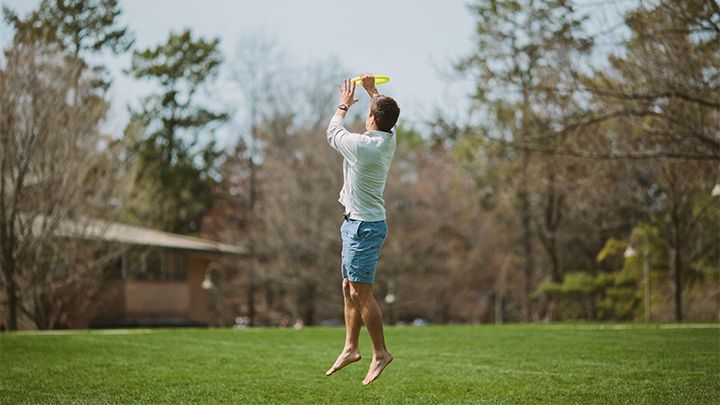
<point>159,279</point>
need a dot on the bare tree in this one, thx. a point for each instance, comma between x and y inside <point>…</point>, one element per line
<point>56,175</point>
<point>257,73</point>
<point>277,137</point>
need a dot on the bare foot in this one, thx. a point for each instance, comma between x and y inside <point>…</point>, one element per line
<point>376,367</point>
<point>345,358</point>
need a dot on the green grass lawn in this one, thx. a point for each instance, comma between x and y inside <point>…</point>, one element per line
<point>564,363</point>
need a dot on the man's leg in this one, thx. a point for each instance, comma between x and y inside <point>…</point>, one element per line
<point>351,352</point>
<point>361,294</point>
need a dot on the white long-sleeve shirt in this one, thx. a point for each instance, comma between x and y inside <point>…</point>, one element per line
<point>366,163</point>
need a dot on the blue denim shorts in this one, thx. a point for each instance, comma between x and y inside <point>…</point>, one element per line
<point>361,243</point>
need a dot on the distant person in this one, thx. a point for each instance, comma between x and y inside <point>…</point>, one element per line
<point>366,162</point>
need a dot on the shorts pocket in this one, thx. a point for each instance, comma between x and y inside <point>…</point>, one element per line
<point>349,229</point>
<point>372,230</point>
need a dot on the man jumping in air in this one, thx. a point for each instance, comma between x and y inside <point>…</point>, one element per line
<point>366,162</point>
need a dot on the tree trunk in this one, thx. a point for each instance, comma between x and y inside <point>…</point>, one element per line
<point>11,293</point>
<point>170,144</point>
<point>251,300</point>
<point>547,232</point>
<point>528,267</point>
<point>7,241</point>
<point>41,309</point>
<point>308,303</point>
<point>251,234</point>
<point>676,267</point>
<point>552,223</point>
<point>676,241</point>
<point>525,213</point>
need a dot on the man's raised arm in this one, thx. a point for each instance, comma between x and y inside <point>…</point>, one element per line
<point>338,137</point>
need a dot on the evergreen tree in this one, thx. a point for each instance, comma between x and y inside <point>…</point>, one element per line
<point>174,152</point>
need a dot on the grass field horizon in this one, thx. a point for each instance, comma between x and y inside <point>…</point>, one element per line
<point>516,363</point>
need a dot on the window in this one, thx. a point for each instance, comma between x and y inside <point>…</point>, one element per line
<point>155,264</point>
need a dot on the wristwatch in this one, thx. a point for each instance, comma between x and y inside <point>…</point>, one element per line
<point>343,107</point>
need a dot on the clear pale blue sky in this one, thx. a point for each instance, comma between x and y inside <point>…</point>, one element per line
<point>405,39</point>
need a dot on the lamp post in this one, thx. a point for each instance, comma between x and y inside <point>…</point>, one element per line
<point>630,252</point>
<point>716,193</point>
<point>214,300</point>
<point>391,299</point>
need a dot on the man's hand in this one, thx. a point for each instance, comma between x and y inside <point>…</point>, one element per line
<point>368,82</point>
<point>347,93</point>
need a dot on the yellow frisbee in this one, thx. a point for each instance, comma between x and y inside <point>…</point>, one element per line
<point>379,79</point>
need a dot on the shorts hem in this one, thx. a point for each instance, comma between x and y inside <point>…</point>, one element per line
<point>359,280</point>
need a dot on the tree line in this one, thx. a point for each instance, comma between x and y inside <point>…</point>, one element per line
<point>579,187</point>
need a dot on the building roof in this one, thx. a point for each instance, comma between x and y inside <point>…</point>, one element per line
<point>135,235</point>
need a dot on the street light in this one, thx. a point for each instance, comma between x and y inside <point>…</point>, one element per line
<point>207,283</point>
<point>716,191</point>
<point>630,252</point>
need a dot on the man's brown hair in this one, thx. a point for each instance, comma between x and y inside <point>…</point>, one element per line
<point>386,112</point>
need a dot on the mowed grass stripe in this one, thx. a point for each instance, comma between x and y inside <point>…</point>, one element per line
<point>564,363</point>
